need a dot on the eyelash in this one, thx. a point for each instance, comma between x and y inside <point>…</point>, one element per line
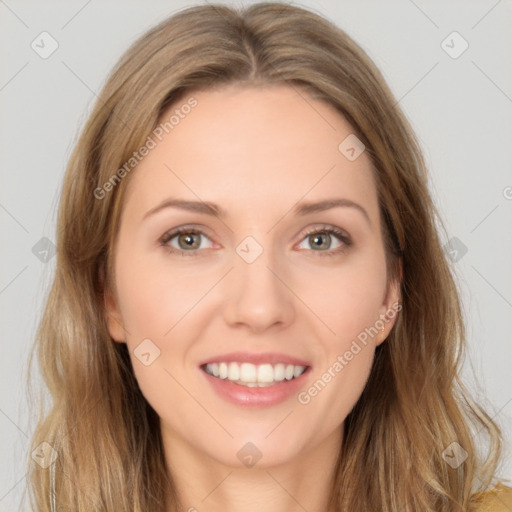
<point>341,235</point>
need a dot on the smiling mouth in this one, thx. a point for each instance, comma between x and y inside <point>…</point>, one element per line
<point>251,375</point>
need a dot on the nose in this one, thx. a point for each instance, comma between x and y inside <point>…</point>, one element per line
<point>258,295</point>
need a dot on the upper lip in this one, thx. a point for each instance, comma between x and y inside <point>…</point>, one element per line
<point>255,358</point>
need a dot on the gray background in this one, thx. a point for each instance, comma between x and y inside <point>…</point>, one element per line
<point>461,109</point>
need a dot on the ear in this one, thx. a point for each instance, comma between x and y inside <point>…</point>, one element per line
<point>112,312</point>
<point>391,306</point>
<point>114,318</point>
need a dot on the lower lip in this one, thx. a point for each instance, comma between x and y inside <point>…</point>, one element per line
<point>256,397</point>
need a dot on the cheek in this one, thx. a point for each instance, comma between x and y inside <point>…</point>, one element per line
<point>162,303</point>
<point>154,302</point>
<point>348,301</point>
<point>155,296</point>
<point>347,298</point>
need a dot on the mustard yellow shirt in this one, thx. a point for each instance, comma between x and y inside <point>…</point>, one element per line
<point>498,499</point>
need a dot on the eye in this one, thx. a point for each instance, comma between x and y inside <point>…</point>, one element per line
<point>188,240</point>
<point>321,238</point>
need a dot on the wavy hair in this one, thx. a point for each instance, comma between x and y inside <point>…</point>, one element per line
<point>102,431</point>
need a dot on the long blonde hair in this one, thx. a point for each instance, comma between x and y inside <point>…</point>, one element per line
<point>103,434</point>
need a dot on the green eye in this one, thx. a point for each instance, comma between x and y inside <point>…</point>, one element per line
<point>321,238</point>
<point>188,240</point>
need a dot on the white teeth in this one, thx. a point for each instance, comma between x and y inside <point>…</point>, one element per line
<point>247,372</point>
<point>234,371</point>
<point>214,369</point>
<point>251,375</point>
<point>223,370</point>
<point>279,372</point>
<point>265,373</point>
<point>297,371</point>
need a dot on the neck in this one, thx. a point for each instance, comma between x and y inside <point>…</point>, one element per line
<point>203,483</point>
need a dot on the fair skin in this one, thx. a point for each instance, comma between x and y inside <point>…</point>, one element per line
<point>255,152</point>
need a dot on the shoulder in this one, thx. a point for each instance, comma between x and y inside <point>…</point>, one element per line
<point>498,499</point>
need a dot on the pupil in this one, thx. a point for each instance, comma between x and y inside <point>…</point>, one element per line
<point>188,239</point>
<point>317,238</point>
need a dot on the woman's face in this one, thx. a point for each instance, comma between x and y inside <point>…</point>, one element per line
<point>259,291</point>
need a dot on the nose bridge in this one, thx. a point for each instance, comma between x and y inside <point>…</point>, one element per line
<point>257,295</point>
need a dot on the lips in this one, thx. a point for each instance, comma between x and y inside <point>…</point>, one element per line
<point>252,379</point>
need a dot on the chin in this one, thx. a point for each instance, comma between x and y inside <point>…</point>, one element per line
<point>256,451</point>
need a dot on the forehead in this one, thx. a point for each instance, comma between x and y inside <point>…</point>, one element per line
<point>247,146</point>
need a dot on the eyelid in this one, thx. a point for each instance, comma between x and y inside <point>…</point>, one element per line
<point>343,236</point>
<point>316,228</point>
<point>173,232</point>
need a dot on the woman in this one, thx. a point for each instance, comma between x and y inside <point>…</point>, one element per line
<point>252,308</point>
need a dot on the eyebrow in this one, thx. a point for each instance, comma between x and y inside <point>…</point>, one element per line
<point>208,208</point>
